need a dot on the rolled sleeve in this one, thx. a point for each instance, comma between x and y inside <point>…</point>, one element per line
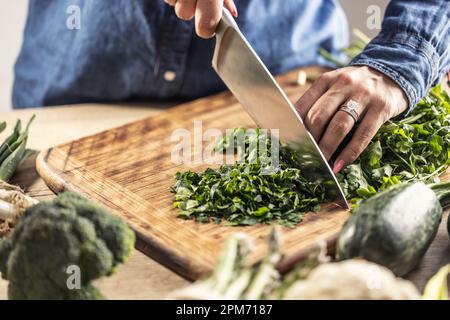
<point>413,47</point>
<point>407,59</point>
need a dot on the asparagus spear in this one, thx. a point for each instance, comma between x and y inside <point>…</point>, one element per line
<point>266,276</point>
<point>232,278</point>
<point>221,284</point>
<point>231,262</point>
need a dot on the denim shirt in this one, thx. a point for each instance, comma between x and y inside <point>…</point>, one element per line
<point>139,49</point>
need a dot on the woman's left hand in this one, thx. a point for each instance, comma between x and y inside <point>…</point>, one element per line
<point>378,100</point>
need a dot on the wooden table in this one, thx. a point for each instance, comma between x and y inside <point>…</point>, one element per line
<point>140,277</point>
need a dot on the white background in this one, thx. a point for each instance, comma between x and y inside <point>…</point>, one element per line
<point>13,15</point>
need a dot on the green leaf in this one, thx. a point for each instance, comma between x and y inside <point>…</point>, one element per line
<point>436,143</point>
<point>366,193</point>
<point>372,156</point>
<point>261,211</point>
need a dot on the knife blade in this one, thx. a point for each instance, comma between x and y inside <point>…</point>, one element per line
<point>246,76</point>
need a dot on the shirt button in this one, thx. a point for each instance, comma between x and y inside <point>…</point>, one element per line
<point>169,76</point>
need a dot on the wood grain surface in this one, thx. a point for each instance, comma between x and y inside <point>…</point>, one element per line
<point>129,170</point>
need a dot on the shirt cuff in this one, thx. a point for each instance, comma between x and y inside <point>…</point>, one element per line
<point>407,59</point>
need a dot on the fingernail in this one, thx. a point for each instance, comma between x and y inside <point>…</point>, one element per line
<point>338,165</point>
<point>234,10</point>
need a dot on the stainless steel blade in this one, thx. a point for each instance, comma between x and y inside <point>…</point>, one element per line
<point>252,84</point>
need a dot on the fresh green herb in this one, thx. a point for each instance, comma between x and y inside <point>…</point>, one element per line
<point>415,148</point>
<point>242,195</point>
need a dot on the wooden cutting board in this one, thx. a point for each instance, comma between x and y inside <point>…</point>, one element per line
<point>129,170</point>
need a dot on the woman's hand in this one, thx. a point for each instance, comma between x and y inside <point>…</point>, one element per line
<point>378,99</point>
<point>207,13</point>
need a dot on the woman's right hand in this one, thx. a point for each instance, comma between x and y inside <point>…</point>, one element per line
<point>207,13</point>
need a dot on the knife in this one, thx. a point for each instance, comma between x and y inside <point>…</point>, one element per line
<point>251,83</point>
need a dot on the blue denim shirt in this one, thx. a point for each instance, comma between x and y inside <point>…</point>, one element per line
<point>139,49</point>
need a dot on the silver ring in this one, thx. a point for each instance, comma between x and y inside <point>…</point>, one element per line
<point>350,108</point>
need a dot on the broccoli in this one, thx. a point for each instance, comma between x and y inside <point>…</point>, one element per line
<point>54,235</point>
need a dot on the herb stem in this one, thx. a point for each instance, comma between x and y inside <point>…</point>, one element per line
<point>412,119</point>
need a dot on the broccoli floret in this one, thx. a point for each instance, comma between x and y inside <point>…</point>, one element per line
<point>53,236</point>
<point>117,236</point>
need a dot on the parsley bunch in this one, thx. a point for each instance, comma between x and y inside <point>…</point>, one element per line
<point>415,148</point>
